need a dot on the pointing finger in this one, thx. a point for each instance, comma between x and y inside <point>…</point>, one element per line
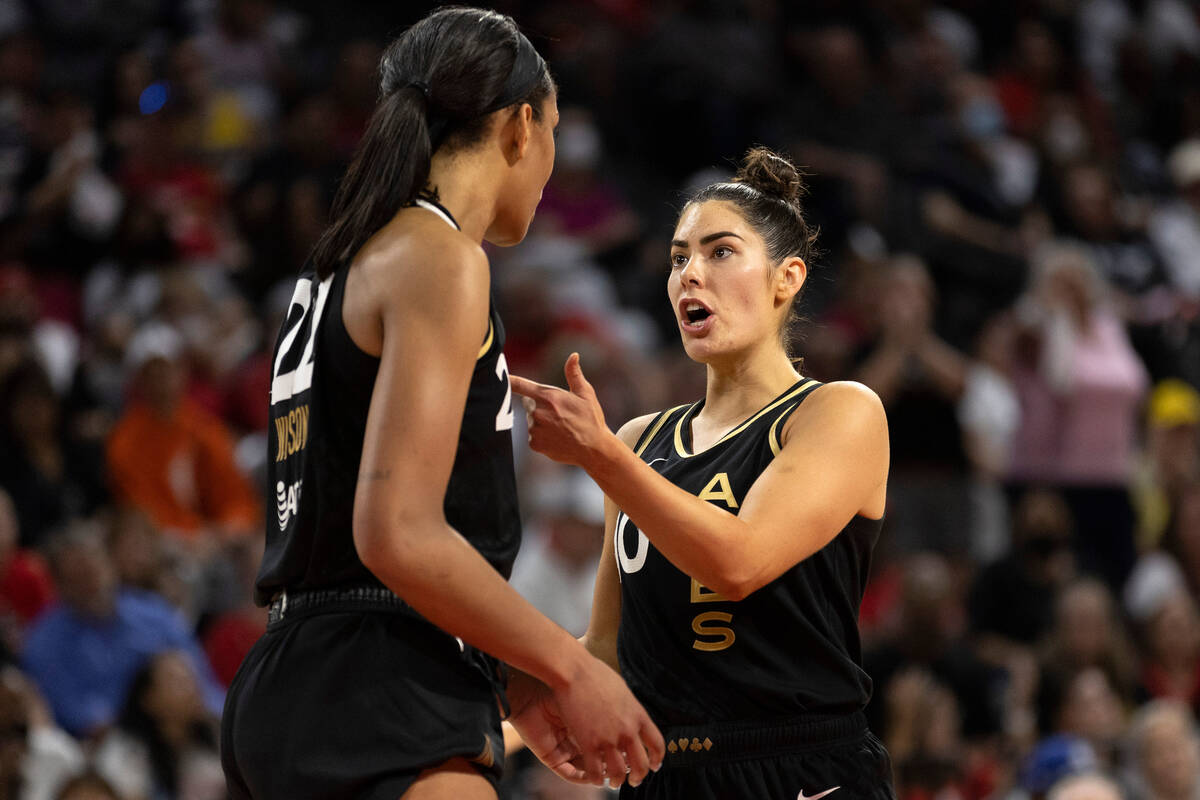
<point>528,388</point>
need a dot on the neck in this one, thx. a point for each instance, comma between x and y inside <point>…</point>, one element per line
<point>739,386</point>
<point>468,187</point>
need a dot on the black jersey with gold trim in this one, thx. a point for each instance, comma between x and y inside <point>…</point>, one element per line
<point>789,649</point>
<point>320,393</point>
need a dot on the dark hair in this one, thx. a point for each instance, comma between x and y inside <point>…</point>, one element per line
<point>438,83</point>
<point>767,190</point>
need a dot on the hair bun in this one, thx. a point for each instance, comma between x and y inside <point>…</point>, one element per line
<point>772,174</point>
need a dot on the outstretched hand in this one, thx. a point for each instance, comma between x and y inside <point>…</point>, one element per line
<point>567,426</point>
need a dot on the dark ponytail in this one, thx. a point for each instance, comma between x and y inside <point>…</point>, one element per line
<point>439,83</point>
<point>767,192</point>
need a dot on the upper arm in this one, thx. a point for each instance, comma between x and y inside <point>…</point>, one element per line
<point>432,321</point>
<point>832,465</point>
<point>606,597</point>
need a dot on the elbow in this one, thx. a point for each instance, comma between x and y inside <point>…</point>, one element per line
<point>381,536</point>
<point>735,585</point>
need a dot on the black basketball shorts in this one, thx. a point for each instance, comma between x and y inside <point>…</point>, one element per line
<point>355,704</point>
<point>836,759</point>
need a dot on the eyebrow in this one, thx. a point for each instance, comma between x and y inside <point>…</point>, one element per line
<point>712,237</point>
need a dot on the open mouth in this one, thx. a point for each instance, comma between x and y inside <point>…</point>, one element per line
<point>696,313</point>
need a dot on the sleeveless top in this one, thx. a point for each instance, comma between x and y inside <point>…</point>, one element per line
<point>791,648</point>
<point>320,393</point>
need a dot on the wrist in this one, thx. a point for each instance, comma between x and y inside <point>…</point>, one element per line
<point>603,453</point>
<point>565,669</point>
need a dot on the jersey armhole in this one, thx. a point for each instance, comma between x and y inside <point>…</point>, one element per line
<point>652,430</point>
<point>773,438</point>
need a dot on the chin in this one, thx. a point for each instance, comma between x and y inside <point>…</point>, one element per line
<point>506,233</point>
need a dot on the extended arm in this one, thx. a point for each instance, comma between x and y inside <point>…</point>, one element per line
<point>832,465</point>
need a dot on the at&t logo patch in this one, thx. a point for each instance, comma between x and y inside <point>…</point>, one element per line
<point>287,502</point>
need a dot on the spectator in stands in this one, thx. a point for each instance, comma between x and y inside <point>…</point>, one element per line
<point>1080,384</point>
<point>556,569</point>
<point>1012,600</point>
<point>1088,632</point>
<point>1087,786</point>
<point>84,651</point>
<point>1165,752</point>
<point>172,459</point>
<point>920,379</point>
<point>165,740</point>
<point>50,476</point>
<point>36,756</point>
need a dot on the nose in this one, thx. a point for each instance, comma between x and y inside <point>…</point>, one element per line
<point>691,274</point>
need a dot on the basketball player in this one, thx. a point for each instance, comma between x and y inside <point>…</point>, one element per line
<point>395,521</point>
<point>739,527</point>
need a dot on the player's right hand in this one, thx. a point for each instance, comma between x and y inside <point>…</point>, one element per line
<point>616,738</point>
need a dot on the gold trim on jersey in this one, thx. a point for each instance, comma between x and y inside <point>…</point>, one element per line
<point>679,448</point>
<point>487,342</point>
<point>666,415</point>
<point>773,438</point>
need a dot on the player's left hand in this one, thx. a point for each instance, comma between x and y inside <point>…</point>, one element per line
<point>536,717</point>
<point>567,426</point>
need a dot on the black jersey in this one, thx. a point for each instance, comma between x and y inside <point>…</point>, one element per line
<point>789,649</point>
<point>320,392</point>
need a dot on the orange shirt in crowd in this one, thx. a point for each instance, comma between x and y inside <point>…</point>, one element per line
<point>180,470</point>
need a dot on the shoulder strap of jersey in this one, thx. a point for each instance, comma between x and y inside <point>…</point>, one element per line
<point>654,427</point>
<point>780,419</point>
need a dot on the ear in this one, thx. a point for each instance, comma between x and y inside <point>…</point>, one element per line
<point>789,277</point>
<point>516,133</point>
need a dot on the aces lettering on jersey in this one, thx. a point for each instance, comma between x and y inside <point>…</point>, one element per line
<point>711,628</point>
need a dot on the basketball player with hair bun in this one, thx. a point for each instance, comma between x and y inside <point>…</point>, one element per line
<point>395,524</point>
<point>739,528</point>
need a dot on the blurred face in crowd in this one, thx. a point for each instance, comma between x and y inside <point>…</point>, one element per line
<point>1093,710</point>
<point>1090,202</point>
<point>162,382</point>
<point>1174,632</point>
<point>1042,536</point>
<point>34,412</point>
<point>85,577</point>
<point>173,694</point>
<point>1084,621</point>
<point>136,549</point>
<point>1085,787</point>
<point>1168,753</point>
<point>726,293</point>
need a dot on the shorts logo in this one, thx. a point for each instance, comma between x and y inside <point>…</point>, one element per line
<point>817,796</point>
<point>287,502</point>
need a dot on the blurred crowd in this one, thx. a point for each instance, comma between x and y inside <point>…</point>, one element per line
<point>1009,200</point>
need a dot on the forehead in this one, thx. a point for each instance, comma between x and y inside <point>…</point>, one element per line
<point>711,216</point>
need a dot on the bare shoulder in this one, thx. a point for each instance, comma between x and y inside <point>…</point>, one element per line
<point>422,259</point>
<point>841,406</point>
<point>632,430</point>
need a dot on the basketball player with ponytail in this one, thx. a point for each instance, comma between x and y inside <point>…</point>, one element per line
<point>394,527</point>
<point>739,528</point>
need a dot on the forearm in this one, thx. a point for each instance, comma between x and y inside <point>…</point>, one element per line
<point>445,579</point>
<point>702,540</point>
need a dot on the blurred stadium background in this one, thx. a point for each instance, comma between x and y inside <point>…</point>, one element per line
<point>1009,199</point>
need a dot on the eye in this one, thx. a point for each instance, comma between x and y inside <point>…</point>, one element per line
<point>678,260</point>
<point>722,251</point>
